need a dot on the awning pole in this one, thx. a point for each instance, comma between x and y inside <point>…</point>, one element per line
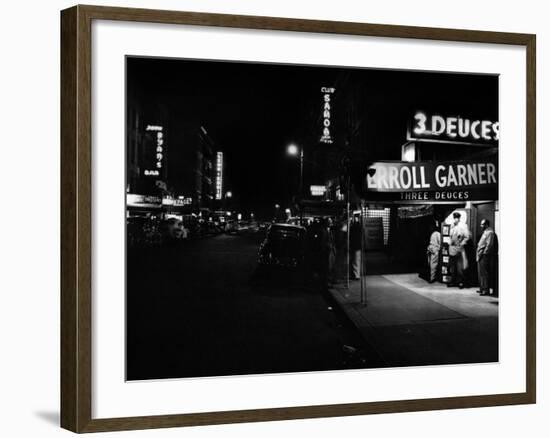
<point>362,267</point>
<point>348,224</point>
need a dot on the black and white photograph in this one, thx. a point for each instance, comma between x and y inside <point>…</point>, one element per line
<point>286,218</point>
<point>274,219</point>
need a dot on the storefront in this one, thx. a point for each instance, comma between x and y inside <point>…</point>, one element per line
<point>143,219</point>
<point>401,228</point>
<point>143,205</point>
<point>442,171</point>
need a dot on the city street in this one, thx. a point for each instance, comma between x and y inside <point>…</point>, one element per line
<point>199,309</point>
<point>387,175</point>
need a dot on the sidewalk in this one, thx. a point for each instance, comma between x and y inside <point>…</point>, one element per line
<point>411,322</point>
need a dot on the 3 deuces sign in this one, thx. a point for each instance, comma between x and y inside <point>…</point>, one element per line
<point>453,129</point>
<point>452,181</point>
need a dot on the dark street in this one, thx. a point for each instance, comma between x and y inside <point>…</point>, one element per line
<point>200,309</point>
<point>259,194</point>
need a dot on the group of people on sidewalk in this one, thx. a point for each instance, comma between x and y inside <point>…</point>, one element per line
<point>486,255</point>
<point>326,247</point>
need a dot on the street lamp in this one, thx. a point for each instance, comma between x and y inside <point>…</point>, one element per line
<point>276,212</point>
<point>225,200</point>
<point>294,150</point>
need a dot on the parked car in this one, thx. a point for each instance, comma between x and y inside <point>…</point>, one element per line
<point>284,246</point>
<point>237,227</point>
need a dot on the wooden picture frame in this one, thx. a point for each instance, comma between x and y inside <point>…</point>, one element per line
<point>76,218</point>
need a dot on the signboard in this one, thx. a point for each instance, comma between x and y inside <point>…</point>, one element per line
<point>453,129</point>
<point>326,137</point>
<point>145,201</point>
<point>183,200</point>
<point>158,151</point>
<point>317,190</point>
<point>447,181</point>
<point>219,175</point>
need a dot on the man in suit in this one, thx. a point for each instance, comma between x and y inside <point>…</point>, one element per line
<point>460,235</point>
<point>355,236</point>
<point>433,253</point>
<point>487,249</point>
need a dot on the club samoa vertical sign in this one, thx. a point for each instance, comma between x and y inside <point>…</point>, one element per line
<point>326,136</point>
<point>447,181</point>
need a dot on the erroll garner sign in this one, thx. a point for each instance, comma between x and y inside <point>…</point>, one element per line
<point>433,180</point>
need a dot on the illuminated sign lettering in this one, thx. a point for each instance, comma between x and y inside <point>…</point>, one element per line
<point>458,180</point>
<point>317,190</point>
<point>159,150</point>
<point>219,175</point>
<point>327,137</point>
<point>436,127</point>
<point>135,200</point>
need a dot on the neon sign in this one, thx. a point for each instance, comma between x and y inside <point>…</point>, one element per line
<point>431,180</point>
<point>159,150</point>
<point>219,175</point>
<point>453,129</point>
<point>327,137</point>
<point>317,190</point>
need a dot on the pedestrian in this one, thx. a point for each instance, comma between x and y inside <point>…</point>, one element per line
<point>315,249</point>
<point>340,233</point>
<point>460,235</point>
<point>486,257</point>
<point>433,253</point>
<point>331,247</point>
<point>173,230</point>
<point>326,245</point>
<point>355,248</point>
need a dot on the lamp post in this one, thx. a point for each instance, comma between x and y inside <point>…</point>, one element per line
<point>225,203</point>
<point>228,195</point>
<point>294,151</point>
<point>276,215</point>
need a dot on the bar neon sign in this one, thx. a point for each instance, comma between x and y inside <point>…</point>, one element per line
<point>159,150</point>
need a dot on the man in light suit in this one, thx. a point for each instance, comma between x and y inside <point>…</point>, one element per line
<point>433,253</point>
<point>486,252</point>
<point>460,235</point>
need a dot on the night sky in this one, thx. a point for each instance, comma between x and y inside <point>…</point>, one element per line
<point>253,111</point>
